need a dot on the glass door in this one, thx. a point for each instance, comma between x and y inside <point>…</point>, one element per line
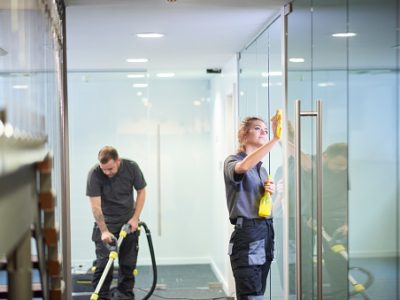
<point>343,149</point>
<point>317,150</point>
<point>261,94</point>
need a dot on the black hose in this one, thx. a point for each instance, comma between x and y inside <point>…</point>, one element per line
<point>368,282</point>
<point>153,260</point>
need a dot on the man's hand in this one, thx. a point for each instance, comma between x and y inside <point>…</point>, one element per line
<point>107,237</point>
<point>134,224</point>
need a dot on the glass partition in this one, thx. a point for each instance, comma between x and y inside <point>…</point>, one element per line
<point>164,127</point>
<point>345,54</point>
<point>373,144</point>
<point>261,94</point>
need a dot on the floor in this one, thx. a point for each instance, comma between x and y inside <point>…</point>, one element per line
<point>385,275</point>
<point>199,282</point>
<point>173,282</point>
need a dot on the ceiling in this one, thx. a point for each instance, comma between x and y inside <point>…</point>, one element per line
<point>199,34</point>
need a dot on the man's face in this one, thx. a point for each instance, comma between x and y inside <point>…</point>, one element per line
<point>110,168</point>
<point>337,163</point>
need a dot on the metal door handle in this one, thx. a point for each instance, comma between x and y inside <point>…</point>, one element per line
<point>298,115</point>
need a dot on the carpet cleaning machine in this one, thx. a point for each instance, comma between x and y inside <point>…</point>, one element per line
<point>114,247</point>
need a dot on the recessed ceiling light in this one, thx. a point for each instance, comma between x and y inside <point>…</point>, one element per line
<point>149,35</point>
<point>137,60</point>
<point>296,59</point>
<point>165,75</point>
<point>268,74</point>
<point>140,85</point>
<point>20,86</point>
<point>326,84</point>
<point>135,75</point>
<point>344,34</point>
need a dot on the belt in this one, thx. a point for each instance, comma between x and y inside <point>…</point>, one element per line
<point>240,221</point>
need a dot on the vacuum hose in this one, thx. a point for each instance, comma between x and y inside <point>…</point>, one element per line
<point>153,259</point>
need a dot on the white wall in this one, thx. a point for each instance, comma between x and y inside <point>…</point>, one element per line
<point>223,91</point>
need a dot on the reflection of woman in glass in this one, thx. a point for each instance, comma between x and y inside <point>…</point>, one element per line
<point>252,242</point>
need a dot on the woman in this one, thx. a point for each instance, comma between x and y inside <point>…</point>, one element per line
<point>252,242</point>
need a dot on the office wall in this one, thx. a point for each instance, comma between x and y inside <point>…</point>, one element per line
<point>224,123</point>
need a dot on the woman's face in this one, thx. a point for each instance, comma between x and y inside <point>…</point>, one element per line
<point>257,134</point>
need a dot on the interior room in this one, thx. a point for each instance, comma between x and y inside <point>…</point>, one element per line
<point>168,83</point>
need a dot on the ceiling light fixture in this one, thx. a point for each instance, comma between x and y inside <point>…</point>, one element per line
<point>137,60</point>
<point>165,75</point>
<point>326,84</point>
<point>135,75</point>
<point>344,34</point>
<point>20,86</point>
<point>149,35</point>
<point>140,85</point>
<point>296,60</point>
<point>268,74</point>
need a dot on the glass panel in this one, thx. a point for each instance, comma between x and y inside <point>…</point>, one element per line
<point>260,85</point>
<point>276,101</point>
<point>299,80</point>
<point>356,77</point>
<point>158,126</point>
<point>330,86</point>
<point>373,140</point>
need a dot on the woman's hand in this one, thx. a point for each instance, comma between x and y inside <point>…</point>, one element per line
<point>277,124</point>
<point>269,186</point>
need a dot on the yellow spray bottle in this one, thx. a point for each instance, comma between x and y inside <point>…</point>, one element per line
<point>265,208</point>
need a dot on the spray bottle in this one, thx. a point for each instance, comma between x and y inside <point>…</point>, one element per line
<point>265,208</point>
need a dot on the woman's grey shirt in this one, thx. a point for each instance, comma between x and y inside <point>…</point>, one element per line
<point>243,191</point>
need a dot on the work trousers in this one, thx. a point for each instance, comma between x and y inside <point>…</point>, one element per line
<point>251,249</point>
<point>127,258</point>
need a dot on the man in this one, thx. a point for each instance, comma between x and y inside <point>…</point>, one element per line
<point>110,188</point>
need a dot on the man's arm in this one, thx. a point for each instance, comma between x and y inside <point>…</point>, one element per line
<point>140,198</point>
<point>95,202</point>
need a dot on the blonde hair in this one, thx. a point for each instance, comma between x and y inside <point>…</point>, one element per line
<point>244,128</point>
